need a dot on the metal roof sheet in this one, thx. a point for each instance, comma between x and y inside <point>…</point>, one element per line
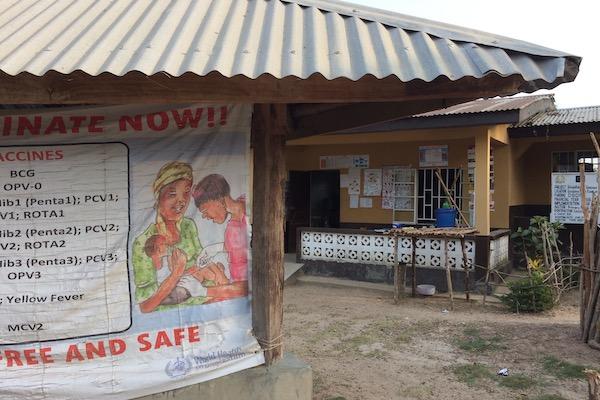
<point>488,105</point>
<point>578,115</point>
<point>255,37</point>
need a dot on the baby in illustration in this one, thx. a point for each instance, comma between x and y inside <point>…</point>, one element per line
<point>193,283</point>
<point>212,196</point>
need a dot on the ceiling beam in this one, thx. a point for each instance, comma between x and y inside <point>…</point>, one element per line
<point>350,116</point>
<point>135,87</point>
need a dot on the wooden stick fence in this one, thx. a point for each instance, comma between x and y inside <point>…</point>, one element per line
<point>590,273</point>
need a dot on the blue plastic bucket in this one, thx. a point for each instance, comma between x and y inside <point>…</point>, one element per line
<point>445,217</point>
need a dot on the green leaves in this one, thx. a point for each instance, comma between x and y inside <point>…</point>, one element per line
<point>530,240</point>
<point>529,294</point>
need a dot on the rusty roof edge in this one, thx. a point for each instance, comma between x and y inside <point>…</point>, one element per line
<point>488,105</point>
<point>514,116</point>
<point>435,28</point>
<point>540,119</point>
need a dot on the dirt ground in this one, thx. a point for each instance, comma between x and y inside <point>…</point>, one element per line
<point>363,346</point>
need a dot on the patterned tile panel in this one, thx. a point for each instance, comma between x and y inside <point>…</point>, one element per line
<point>379,249</point>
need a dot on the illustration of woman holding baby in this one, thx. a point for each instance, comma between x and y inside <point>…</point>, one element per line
<point>164,256</point>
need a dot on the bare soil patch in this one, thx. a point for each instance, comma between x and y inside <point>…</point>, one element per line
<point>363,346</point>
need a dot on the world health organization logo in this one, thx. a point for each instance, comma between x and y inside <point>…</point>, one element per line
<point>178,367</point>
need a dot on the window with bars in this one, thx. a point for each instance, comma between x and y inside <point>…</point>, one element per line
<point>431,194</point>
<point>568,161</point>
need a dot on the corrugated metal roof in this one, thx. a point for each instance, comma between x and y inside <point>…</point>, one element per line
<point>488,105</point>
<point>255,37</point>
<point>579,115</point>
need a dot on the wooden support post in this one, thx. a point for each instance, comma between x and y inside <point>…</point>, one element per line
<point>398,279</point>
<point>593,378</point>
<point>414,266</point>
<point>463,245</point>
<point>448,275</point>
<point>269,127</point>
<point>487,281</point>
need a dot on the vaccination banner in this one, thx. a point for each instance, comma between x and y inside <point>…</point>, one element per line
<point>124,249</point>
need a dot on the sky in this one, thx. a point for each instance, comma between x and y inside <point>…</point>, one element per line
<point>570,26</point>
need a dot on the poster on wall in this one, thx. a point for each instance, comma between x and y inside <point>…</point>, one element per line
<point>124,258</point>
<point>566,196</point>
<point>354,181</point>
<point>344,162</point>
<point>398,188</point>
<point>360,161</point>
<point>433,156</point>
<point>387,188</point>
<point>366,202</point>
<point>372,182</point>
<point>471,181</point>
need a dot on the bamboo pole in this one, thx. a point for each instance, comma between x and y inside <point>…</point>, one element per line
<point>584,277</point>
<point>591,285</point>
<point>462,216</point>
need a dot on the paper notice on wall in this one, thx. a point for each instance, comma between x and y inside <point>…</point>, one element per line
<point>115,281</point>
<point>354,181</point>
<point>387,189</point>
<point>366,202</point>
<point>566,196</point>
<point>326,162</point>
<point>344,181</point>
<point>360,161</point>
<point>372,182</point>
<point>471,178</point>
<point>433,156</point>
<point>353,201</point>
<point>344,161</point>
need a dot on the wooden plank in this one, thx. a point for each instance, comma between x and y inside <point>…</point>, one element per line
<point>268,140</point>
<point>347,116</point>
<point>431,232</point>
<point>135,87</point>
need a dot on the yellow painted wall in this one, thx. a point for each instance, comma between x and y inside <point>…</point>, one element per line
<point>536,165</point>
<point>517,174</point>
<point>522,167</point>
<point>398,153</point>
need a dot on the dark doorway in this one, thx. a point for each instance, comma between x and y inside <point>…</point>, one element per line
<point>312,199</point>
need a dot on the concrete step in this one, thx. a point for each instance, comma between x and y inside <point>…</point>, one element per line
<point>346,283</point>
<point>380,287</point>
<point>291,269</point>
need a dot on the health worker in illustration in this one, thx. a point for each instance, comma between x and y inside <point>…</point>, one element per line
<point>212,196</point>
<point>164,256</point>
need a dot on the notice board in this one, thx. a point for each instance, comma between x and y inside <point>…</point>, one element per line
<point>124,259</point>
<point>566,196</point>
